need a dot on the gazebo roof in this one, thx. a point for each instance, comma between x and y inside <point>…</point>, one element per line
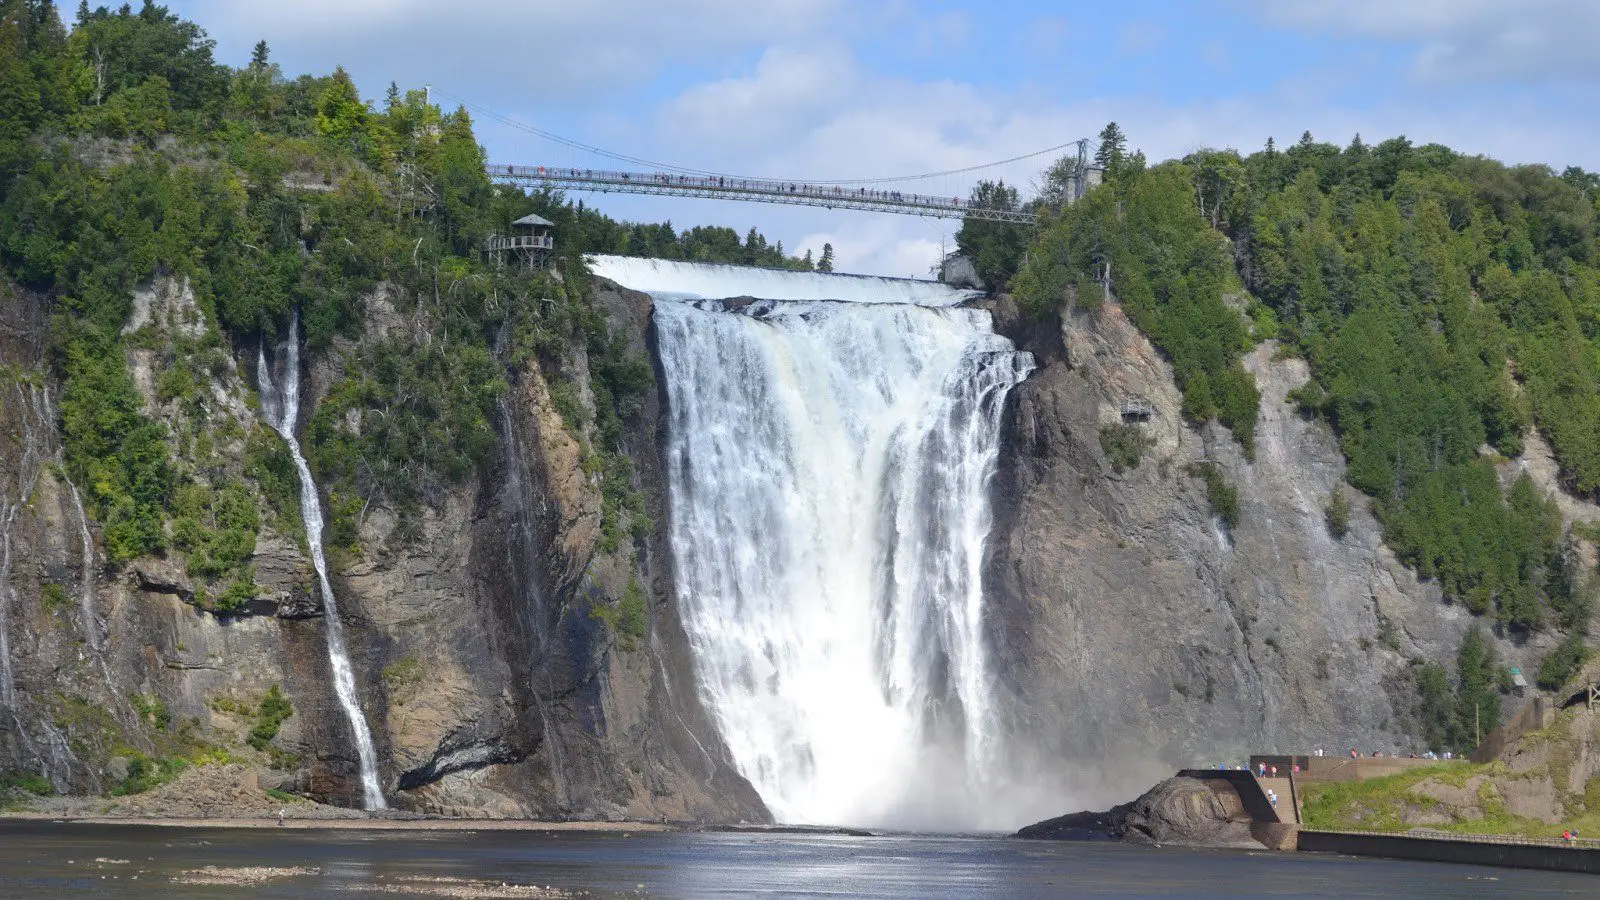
<point>532,219</point>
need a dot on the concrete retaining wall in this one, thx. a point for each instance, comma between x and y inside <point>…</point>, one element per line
<point>1395,846</point>
<point>1251,797</point>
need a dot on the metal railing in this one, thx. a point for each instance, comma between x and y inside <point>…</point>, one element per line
<point>719,187</point>
<point>521,242</point>
<point>1433,835</point>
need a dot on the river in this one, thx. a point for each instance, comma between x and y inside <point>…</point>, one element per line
<point>45,860</point>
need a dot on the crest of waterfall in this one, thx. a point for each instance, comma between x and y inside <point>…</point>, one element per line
<point>672,280</point>
<point>281,408</point>
<point>829,467</point>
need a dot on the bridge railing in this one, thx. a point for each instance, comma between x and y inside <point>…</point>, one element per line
<point>858,196</point>
<point>521,242</point>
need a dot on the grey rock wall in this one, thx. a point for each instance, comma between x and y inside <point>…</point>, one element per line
<point>1136,633</point>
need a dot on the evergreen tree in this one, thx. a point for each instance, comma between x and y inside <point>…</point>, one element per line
<point>1478,688</point>
<point>825,264</point>
<point>1112,149</point>
<point>259,57</point>
<point>1438,711</point>
<point>20,104</point>
<point>995,248</point>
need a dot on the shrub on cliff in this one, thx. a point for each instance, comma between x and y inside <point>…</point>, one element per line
<point>1562,662</point>
<point>1338,513</point>
<point>1124,445</point>
<point>1220,492</point>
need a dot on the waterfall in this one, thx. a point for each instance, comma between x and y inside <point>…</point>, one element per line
<point>86,598</point>
<point>282,410</point>
<point>33,408</point>
<point>8,686</point>
<point>829,465</point>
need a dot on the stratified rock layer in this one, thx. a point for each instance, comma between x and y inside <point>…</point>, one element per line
<point>1139,633</point>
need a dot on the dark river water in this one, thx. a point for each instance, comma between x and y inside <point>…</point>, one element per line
<point>60,861</point>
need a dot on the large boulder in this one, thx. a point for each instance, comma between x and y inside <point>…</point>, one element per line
<point>1183,811</point>
<point>958,271</point>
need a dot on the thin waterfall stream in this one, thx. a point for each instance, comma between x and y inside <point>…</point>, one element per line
<point>86,587</point>
<point>35,421</point>
<point>829,465</point>
<point>282,411</point>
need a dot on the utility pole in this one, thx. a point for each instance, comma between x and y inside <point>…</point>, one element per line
<point>1079,185</point>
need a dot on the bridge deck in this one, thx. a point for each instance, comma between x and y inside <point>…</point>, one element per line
<point>717,187</point>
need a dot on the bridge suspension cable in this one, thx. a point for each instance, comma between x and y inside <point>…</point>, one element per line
<point>484,111</point>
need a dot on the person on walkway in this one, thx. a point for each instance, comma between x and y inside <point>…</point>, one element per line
<point>281,813</point>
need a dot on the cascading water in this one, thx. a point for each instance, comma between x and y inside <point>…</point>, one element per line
<point>91,624</point>
<point>35,421</point>
<point>828,464</point>
<point>282,411</point>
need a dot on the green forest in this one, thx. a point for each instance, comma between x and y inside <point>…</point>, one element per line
<point>1446,304</point>
<point>127,151</point>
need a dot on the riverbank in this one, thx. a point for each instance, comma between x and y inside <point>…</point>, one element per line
<point>349,823</point>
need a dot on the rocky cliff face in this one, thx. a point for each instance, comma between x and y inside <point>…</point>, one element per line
<point>1135,626</point>
<point>490,687</point>
<point>1136,630</point>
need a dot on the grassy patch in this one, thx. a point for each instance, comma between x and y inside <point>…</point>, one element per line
<point>402,677</point>
<point>54,597</point>
<point>1378,804</point>
<point>285,796</point>
<point>274,709</point>
<point>17,787</point>
<point>1392,803</point>
<point>628,619</point>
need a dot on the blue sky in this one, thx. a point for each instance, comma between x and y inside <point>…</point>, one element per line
<point>828,88</point>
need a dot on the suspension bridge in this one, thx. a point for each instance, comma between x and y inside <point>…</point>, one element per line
<point>871,198</point>
<point>883,195</point>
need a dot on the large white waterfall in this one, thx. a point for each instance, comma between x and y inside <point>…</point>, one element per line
<point>829,465</point>
<point>282,411</point>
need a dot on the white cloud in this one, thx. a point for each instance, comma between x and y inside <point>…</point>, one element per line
<point>1473,40</point>
<point>769,120</point>
<point>546,53</point>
